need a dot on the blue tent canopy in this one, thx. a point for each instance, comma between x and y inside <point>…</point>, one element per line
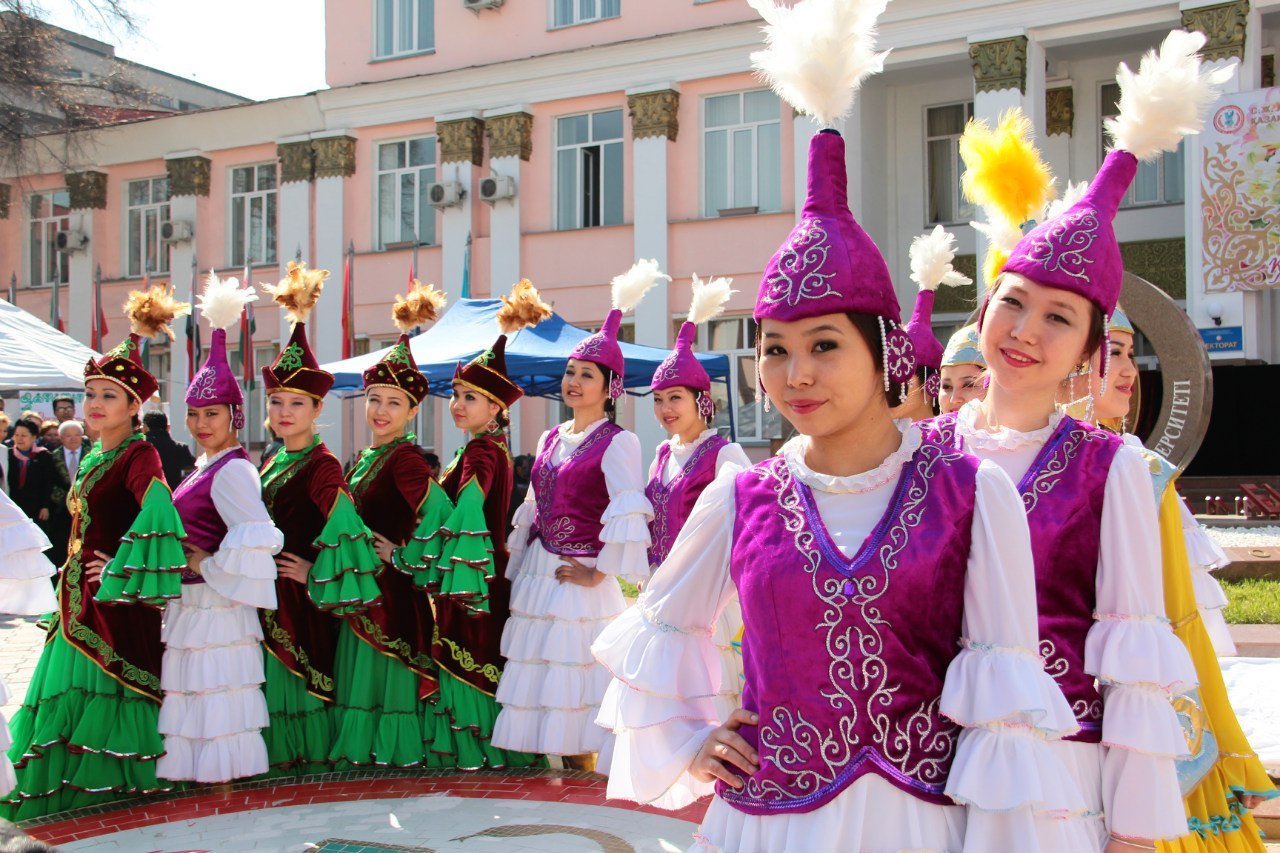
<point>535,357</point>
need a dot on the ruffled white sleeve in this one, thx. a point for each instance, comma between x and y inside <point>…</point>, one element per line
<point>666,668</point>
<point>732,455</point>
<point>243,569</point>
<point>996,687</point>
<point>25,588</point>
<point>522,521</point>
<point>1139,663</point>
<point>625,534</point>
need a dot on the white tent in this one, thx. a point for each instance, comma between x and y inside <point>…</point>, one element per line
<point>34,356</point>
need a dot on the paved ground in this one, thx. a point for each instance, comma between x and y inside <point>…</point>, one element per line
<point>20,644</point>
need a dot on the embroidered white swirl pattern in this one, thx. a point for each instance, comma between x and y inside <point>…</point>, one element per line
<point>798,273</point>
<point>1065,243</point>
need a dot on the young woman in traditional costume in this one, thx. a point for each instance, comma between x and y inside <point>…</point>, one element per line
<point>328,566</point>
<point>25,590</point>
<point>472,592</point>
<point>384,652</point>
<point>214,709</point>
<point>1222,779</point>
<point>583,525</point>
<point>686,463</point>
<point>1103,631</point>
<point>87,731</point>
<point>885,578</point>
<point>963,369</point>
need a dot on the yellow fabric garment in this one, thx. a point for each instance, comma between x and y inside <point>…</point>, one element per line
<point>1217,820</point>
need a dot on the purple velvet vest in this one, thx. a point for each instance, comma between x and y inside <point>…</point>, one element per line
<point>673,501</point>
<point>1063,492</point>
<point>572,496</point>
<point>845,659</point>
<point>200,518</point>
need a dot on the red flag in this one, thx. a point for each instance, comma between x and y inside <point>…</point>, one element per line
<point>346,308</point>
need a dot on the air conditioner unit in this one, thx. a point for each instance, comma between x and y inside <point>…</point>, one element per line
<point>497,187</point>
<point>175,231</point>
<point>477,5</point>
<point>70,241</point>
<point>445,194</point>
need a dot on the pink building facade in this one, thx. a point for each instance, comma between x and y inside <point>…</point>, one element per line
<point>616,129</point>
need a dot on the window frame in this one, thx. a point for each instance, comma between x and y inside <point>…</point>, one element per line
<point>558,147</point>
<point>961,217</point>
<point>163,210</point>
<point>60,259</point>
<point>762,418</point>
<point>271,224</point>
<point>377,190</point>
<point>742,124</point>
<point>1129,201</point>
<point>395,30</point>
<point>578,21</point>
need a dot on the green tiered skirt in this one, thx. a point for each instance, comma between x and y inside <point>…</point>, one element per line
<point>459,723</point>
<point>81,738</point>
<point>301,729</point>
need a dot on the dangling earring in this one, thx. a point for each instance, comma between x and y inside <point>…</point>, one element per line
<point>884,352</point>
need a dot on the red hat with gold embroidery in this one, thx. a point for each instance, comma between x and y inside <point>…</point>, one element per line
<point>397,369</point>
<point>149,311</point>
<point>295,368</point>
<point>487,372</point>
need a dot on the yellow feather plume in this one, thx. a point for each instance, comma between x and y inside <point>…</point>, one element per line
<point>150,311</point>
<point>421,305</point>
<point>298,292</point>
<point>522,309</point>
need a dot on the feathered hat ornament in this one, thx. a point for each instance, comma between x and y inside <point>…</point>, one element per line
<point>296,368</point>
<point>817,55</point>
<point>522,309</point>
<point>420,306</point>
<point>681,368</point>
<point>149,312</point>
<point>397,369</point>
<point>221,304</point>
<point>627,289</point>
<point>931,256</point>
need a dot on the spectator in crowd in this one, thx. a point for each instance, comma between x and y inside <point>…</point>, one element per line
<point>522,468</point>
<point>175,458</point>
<point>49,434</point>
<point>272,446</point>
<point>433,462</point>
<point>71,447</point>
<point>33,478</point>
<point>6,428</point>
<point>66,458</point>
<point>64,409</point>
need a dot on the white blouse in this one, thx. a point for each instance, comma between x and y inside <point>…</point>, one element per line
<point>731,454</point>
<point>666,670</point>
<point>242,569</point>
<point>625,531</point>
<point>1131,649</point>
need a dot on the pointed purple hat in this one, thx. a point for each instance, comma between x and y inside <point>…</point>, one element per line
<point>829,265</point>
<point>602,347</point>
<point>928,349</point>
<point>1077,250</point>
<point>681,368</point>
<point>215,384</point>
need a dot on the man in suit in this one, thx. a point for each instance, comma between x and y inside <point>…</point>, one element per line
<point>71,437</point>
<point>64,409</point>
<point>66,458</point>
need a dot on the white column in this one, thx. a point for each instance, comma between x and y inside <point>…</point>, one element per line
<point>802,130</point>
<point>1250,311</point>
<point>653,128</point>
<point>1009,72</point>
<point>509,132</point>
<point>78,316</point>
<point>173,388</point>
<point>293,213</point>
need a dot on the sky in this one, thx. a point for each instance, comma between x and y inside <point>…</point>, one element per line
<point>256,48</point>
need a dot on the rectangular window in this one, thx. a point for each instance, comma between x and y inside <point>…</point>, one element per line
<point>147,209</point>
<point>403,27</point>
<point>566,13</point>
<point>944,203</point>
<point>1158,182</point>
<point>253,214</point>
<point>48,213</point>
<point>735,337</point>
<point>742,152</point>
<point>405,170</point>
<point>589,170</point>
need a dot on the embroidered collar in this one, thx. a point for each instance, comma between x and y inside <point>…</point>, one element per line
<point>886,472</point>
<point>573,439</point>
<point>205,460</point>
<point>1002,439</point>
<point>679,448</point>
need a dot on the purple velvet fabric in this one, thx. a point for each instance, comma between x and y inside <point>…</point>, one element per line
<point>682,368</point>
<point>602,347</point>
<point>1077,250</point>
<point>215,384</point>
<point>572,496</point>
<point>927,347</point>
<point>828,264</point>
<point>200,518</point>
<point>673,501</point>
<point>845,659</point>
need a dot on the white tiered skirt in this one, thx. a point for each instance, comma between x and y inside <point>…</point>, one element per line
<point>551,686</point>
<point>212,673</point>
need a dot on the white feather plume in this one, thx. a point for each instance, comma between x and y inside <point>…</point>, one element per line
<point>223,301</point>
<point>709,298</point>
<point>1072,194</point>
<point>630,287</point>
<point>1000,234</point>
<point>1167,98</point>
<point>818,53</point>
<point>931,257</point>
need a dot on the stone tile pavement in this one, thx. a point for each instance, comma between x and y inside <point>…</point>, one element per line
<point>20,645</point>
